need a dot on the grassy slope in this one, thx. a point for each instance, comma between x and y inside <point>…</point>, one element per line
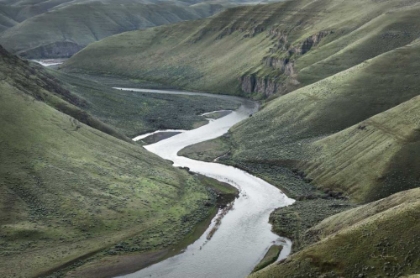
<point>210,54</point>
<point>374,156</point>
<point>288,125</point>
<point>388,142</point>
<point>69,190</point>
<point>377,239</point>
<point>67,30</point>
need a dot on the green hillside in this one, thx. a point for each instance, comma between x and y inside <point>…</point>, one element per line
<point>68,29</point>
<point>352,135</point>
<point>293,127</point>
<point>70,191</point>
<point>260,50</point>
<point>377,239</point>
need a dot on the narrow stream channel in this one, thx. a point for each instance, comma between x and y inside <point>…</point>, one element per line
<point>245,235</point>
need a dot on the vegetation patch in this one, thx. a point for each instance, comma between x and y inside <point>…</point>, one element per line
<point>135,113</point>
<point>269,258</point>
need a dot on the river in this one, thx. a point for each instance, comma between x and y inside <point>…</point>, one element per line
<point>245,235</point>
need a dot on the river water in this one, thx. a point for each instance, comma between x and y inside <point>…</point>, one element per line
<point>245,235</point>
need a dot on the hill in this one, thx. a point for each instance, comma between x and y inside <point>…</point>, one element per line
<point>287,45</point>
<point>67,29</point>
<point>333,128</point>
<point>71,191</point>
<point>377,239</point>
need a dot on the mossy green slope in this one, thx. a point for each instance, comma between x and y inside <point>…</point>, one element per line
<point>285,129</point>
<point>257,50</point>
<point>67,30</point>
<point>69,190</point>
<point>377,239</point>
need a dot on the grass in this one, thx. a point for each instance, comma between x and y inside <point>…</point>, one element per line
<point>208,150</point>
<point>296,127</point>
<point>378,239</point>
<point>208,54</point>
<point>270,257</point>
<point>68,29</point>
<point>135,113</point>
<point>72,192</point>
<point>344,143</point>
<point>347,135</point>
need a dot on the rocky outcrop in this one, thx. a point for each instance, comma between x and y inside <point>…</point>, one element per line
<point>54,50</point>
<point>248,83</point>
<point>281,38</point>
<point>262,85</point>
<point>310,42</point>
<point>248,32</point>
<point>282,43</point>
<point>285,66</point>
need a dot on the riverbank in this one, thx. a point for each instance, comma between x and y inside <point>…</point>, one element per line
<point>123,257</point>
<point>152,239</point>
<point>311,207</point>
<point>246,222</point>
<point>104,266</point>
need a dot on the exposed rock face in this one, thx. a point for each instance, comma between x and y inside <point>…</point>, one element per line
<point>248,83</point>
<point>54,50</point>
<point>285,66</point>
<point>310,42</point>
<point>248,32</point>
<point>282,40</point>
<point>253,84</point>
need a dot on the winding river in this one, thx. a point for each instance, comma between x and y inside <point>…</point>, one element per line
<point>245,235</point>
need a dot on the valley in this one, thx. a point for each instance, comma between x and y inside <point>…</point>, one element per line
<point>293,127</point>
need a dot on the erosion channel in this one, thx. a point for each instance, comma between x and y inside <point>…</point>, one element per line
<point>244,235</point>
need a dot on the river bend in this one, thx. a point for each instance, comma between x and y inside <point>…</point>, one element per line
<point>245,234</point>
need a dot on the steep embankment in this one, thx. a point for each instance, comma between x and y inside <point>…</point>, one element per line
<point>68,29</point>
<point>377,239</point>
<point>70,190</point>
<point>257,50</point>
